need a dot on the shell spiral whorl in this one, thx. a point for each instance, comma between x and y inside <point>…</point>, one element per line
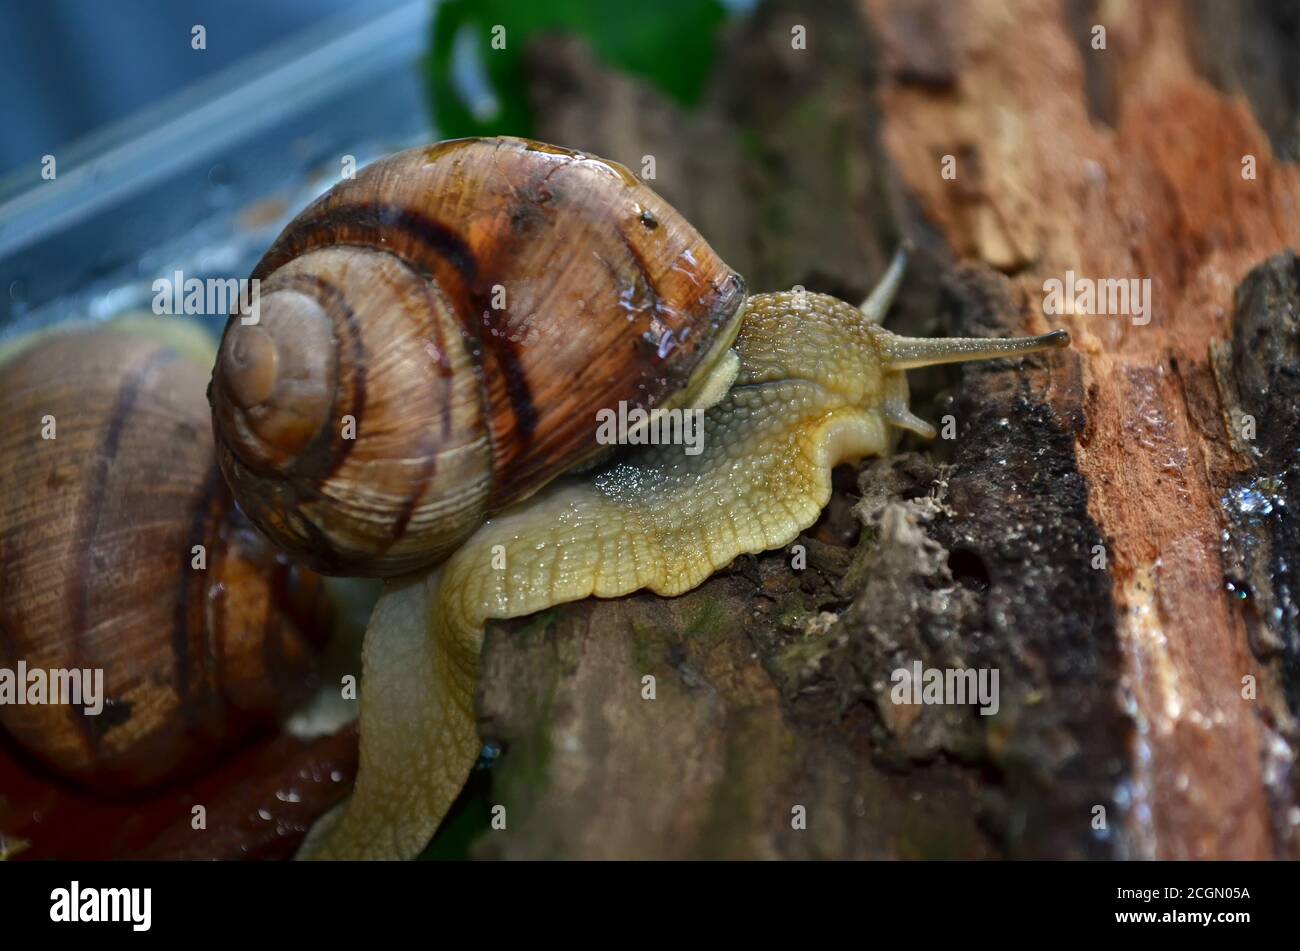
<point>466,309</point>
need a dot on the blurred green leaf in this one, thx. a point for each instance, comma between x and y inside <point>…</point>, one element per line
<point>479,90</point>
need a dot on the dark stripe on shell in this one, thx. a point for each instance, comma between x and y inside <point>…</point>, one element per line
<point>87,526</point>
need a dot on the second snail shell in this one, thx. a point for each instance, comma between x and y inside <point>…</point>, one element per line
<point>122,555</point>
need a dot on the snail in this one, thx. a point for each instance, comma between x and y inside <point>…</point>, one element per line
<point>471,309</point>
<point>122,552</point>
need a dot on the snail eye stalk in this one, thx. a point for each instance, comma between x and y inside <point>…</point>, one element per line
<point>909,353</point>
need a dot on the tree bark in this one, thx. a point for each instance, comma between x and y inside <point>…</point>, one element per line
<point>1103,530</point>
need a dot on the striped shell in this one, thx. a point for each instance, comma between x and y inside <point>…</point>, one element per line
<point>97,530</point>
<point>435,338</point>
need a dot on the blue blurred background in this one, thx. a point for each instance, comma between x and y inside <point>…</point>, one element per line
<point>72,67</point>
<point>69,67</point>
<point>167,155</point>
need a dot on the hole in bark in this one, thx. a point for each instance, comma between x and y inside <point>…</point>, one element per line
<point>968,569</point>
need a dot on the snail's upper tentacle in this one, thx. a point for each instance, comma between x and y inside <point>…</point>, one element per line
<point>909,353</point>
<point>883,294</point>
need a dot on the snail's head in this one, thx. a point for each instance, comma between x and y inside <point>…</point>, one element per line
<point>803,335</point>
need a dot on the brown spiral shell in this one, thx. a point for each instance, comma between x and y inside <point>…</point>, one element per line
<point>471,306</point>
<point>97,530</point>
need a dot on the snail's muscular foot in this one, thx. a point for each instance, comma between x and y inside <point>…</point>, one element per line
<point>419,740</point>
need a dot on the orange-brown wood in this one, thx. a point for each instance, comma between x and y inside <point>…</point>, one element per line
<point>1155,190</point>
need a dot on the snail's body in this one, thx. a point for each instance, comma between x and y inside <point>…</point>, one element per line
<point>790,384</point>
